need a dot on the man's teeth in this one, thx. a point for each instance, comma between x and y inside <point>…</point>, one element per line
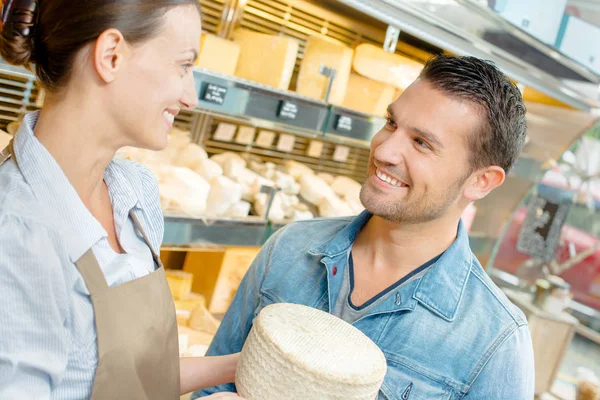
<point>389,179</point>
<point>170,117</point>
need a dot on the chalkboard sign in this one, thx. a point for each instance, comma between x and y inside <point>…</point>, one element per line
<point>287,110</point>
<point>214,94</point>
<point>343,123</point>
<point>540,233</point>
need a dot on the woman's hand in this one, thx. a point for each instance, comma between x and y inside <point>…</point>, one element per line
<point>224,396</point>
<point>204,372</point>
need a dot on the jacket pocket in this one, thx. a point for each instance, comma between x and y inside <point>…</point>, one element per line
<point>404,383</point>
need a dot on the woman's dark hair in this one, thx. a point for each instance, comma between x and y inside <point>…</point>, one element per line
<point>48,34</point>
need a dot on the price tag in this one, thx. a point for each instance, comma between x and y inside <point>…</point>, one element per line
<point>286,143</point>
<point>214,94</point>
<point>225,132</point>
<point>265,139</point>
<point>343,123</point>
<point>245,135</point>
<point>341,154</point>
<point>315,149</point>
<point>287,110</point>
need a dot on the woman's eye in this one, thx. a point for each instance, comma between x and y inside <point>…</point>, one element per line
<point>390,122</point>
<point>187,67</point>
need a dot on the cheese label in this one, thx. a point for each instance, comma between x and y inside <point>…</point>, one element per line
<point>287,110</point>
<point>315,149</point>
<point>214,94</point>
<point>341,154</point>
<point>286,143</point>
<point>225,132</point>
<point>343,123</point>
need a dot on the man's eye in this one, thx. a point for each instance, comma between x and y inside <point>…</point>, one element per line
<point>390,122</point>
<point>422,143</point>
<point>187,67</point>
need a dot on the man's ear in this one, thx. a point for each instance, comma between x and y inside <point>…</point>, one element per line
<point>109,52</point>
<point>482,182</point>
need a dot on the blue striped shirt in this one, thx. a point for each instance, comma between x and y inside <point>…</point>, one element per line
<point>48,346</point>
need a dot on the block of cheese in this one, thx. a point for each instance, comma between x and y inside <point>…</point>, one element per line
<point>232,163</point>
<point>276,213</point>
<point>347,188</point>
<point>189,302</point>
<point>184,190</point>
<point>191,156</point>
<point>314,189</point>
<point>333,206</point>
<point>179,282</point>
<point>223,194</point>
<point>368,96</point>
<point>297,169</point>
<point>323,51</point>
<point>218,54</point>
<point>266,59</point>
<point>209,169</point>
<point>4,139</point>
<point>238,210</point>
<point>389,68</point>
<point>286,183</point>
<point>326,177</point>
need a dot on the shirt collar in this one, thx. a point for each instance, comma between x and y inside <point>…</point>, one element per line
<point>441,288</point>
<point>79,228</point>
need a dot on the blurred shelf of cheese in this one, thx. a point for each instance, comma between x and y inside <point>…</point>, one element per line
<point>230,184</point>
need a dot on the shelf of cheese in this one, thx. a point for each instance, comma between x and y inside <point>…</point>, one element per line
<point>230,185</point>
<point>366,79</point>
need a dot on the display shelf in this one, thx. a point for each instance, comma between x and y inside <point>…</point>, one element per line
<point>464,28</point>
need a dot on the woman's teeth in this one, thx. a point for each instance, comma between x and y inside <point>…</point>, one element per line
<point>170,117</point>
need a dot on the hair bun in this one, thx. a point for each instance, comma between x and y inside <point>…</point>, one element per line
<point>16,39</point>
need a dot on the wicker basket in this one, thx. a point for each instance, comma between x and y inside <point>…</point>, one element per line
<point>297,352</point>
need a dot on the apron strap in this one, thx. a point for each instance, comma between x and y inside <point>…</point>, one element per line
<point>92,274</point>
<point>138,225</point>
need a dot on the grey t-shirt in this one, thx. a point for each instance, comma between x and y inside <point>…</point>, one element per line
<point>350,313</point>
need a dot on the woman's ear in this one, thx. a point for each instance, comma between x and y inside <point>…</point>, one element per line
<point>109,52</point>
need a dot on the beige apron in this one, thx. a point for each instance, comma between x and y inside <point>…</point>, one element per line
<point>138,350</point>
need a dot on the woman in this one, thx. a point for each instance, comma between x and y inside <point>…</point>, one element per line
<point>86,310</point>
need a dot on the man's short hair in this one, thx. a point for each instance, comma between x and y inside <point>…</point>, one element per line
<point>503,132</point>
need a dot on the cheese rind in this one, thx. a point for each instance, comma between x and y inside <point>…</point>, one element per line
<point>266,59</point>
<point>389,68</point>
<point>321,51</point>
<point>218,54</point>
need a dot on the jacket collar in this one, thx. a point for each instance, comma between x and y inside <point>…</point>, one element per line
<point>440,289</point>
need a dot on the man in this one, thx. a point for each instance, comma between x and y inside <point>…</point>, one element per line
<point>403,272</point>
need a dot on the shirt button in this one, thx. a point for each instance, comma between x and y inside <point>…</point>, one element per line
<point>398,299</point>
<point>334,271</point>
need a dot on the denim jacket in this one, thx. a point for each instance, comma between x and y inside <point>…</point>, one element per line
<point>451,334</point>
